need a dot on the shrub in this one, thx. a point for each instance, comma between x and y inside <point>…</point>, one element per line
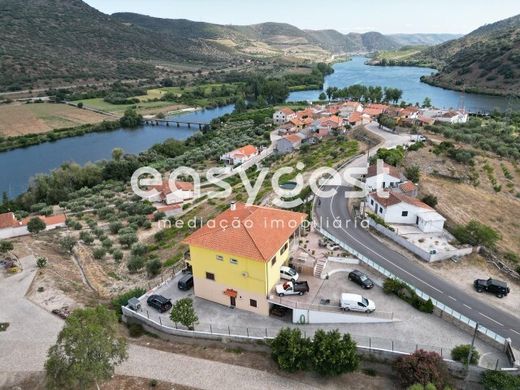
<point>476,233</point>
<point>122,300</point>
<point>413,173</point>
<point>67,244</point>
<point>6,246</point>
<point>406,293</point>
<point>333,354</point>
<point>86,237</point>
<point>118,255</point>
<point>158,216</point>
<point>107,243</point>
<point>114,227</point>
<point>135,263</point>
<point>139,249</point>
<point>41,262</point>
<point>422,367</point>
<point>127,239</point>
<point>184,313</point>
<point>429,386</point>
<point>460,354</point>
<point>99,253</point>
<point>291,351</point>
<point>499,380</point>
<point>430,200</point>
<point>153,267</point>
<point>36,225</point>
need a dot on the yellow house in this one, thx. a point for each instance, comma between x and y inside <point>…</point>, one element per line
<point>236,257</point>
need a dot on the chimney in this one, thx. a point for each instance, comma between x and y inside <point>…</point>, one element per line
<point>233,206</point>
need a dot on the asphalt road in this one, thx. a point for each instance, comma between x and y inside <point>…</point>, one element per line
<point>359,239</point>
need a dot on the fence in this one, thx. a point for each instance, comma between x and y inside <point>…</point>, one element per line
<point>439,305</point>
<point>415,249</point>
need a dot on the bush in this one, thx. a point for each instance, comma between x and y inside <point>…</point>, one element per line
<point>107,243</point>
<point>128,239</point>
<point>135,330</point>
<point>460,354</point>
<point>430,200</point>
<point>6,246</point>
<point>67,244</point>
<point>184,313</point>
<point>413,173</point>
<point>499,380</point>
<point>422,367</point>
<point>41,262</point>
<point>291,351</point>
<point>139,250</point>
<point>86,237</point>
<point>135,263</point>
<point>118,255</point>
<point>475,233</point>
<point>99,253</point>
<point>122,300</point>
<point>333,354</point>
<point>115,227</point>
<point>36,225</point>
<point>153,267</point>
<point>429,386</point>
<point>406,293</point>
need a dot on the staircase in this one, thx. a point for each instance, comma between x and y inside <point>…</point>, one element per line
<point>319,267</point>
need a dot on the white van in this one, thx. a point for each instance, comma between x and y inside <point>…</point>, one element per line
<point>356,302</point>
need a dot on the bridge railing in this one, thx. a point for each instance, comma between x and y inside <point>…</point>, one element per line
<point>439,305</point>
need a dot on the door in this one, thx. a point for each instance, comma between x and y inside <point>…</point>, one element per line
<point>233,301</point>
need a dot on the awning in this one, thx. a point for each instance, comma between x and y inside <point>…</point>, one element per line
<point>231,293</point>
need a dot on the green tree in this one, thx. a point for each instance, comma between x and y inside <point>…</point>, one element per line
<point>153,267</point>
<point>429,386</point>
<point>333,354</point>
<point>422,367</point>
<point>135,263</point>
<point>460,354</point>
<point>86,237</point>
<point>117,153</point>
<point>80,105</point>
<point>67,244</point>
<point>427,102</point>
<point>476,233</point>
<point>131,119</point>
<point>87,350</point>
<point>127,239</point>
<point>323,96</point>
<point>240,105</point>
<point>413,173</point>
<point>291,351</point>
<point>430,200</point>
<point>6,246</point>
<point>99,253</point>
<point>184,313</point>
<point>36,225</point>
<point>499,380</point>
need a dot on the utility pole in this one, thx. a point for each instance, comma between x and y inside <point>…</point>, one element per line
<point>470,353</point>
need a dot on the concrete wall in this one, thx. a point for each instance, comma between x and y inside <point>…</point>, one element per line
<point>309,316</point>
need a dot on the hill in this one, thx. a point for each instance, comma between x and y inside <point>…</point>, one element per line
<point>423,39</point>
<point>487,60</point>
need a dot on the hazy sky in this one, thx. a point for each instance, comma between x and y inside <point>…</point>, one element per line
<point>386,16</point>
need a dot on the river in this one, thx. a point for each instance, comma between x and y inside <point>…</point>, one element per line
<point>405,78</point>
<point>19,165</point>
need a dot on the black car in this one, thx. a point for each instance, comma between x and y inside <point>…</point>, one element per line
<point>361,279</point>
<point>494,286</point>
<point>159,302</point>
<point>186,282</point>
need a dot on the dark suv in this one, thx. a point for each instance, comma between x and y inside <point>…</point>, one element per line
<point>361,279</point>
<point>159,302</point>
<point>494,286</point>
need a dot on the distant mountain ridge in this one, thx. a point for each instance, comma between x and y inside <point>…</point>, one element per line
<point>423,39</point>
<point>54,42</point>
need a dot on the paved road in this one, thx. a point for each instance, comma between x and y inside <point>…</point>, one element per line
<point>362,241</point>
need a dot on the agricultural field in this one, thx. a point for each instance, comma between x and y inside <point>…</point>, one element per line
<point>144,108</point>
<point>21,119</point>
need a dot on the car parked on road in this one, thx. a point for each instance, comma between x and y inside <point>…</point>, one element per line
<point>355,302</point>
<point>333,247</point>
<point>159,302</point>
<point>491,285</point>
<point>361,279</point>
<point>186,282</point>
<point>288,273</point>
<point>292,288</point>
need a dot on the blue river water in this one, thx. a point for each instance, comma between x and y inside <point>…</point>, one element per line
<point>405,78</point>
<point>19,165</point>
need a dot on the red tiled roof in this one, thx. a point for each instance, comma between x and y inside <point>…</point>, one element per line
<point>394,198</point>
<point>293,138</point>
<point>355,117</point>
<point>389,169</point>
<point>287,111</point>
<point>49,221</point>
<point>247,150</point>
<point>373,111</point>
<point>253,232</point>
<point>8,220</point>
<point>407,186</point>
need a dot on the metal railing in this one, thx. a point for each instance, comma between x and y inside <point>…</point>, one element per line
<point>439,305</point>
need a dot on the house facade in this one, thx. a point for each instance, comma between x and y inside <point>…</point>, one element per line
<point>170,195</point>
<point>236,257</point>
<point>10,227</point>
<point>240,155</point>
<point>283,116</point>
<point>289,143</point>
<point>399,208</point>
<point>389,177</point>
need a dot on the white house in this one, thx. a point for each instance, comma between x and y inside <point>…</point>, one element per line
<point>450,116</point>
<point>348,108</point>
<point>170,194</point>
<point>389,177</point>
<point>10,227</point>
<point>283,115</point>
<point>399,208</point>
<point>240,156</point>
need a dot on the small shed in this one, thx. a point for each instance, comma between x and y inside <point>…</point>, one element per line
<point>134,304</point>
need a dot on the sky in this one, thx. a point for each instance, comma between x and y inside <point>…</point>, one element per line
<point>386,16</point>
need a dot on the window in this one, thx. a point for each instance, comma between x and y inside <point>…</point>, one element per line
<point>381,210</point>
<point>210,276</point>
<point>284,248</point>
<point>404,214</point>
<point>273,261</point>
<point>252,303</point>
<point>372,202</point>
<point>220,258</point>
<point>233,261</point>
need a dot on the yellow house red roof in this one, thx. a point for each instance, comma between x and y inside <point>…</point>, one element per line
<point>253,232</point>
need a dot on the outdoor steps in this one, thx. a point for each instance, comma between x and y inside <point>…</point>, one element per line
<point>319,267</point>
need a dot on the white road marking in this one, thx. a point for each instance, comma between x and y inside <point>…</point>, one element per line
<point>452,297</point>
<point>512,330</point>
<point>491,319</point>
<point>468,306</point>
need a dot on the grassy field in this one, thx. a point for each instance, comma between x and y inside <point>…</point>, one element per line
<point>21,119</point>
<point>397,55</point>
<point>143,107</point>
